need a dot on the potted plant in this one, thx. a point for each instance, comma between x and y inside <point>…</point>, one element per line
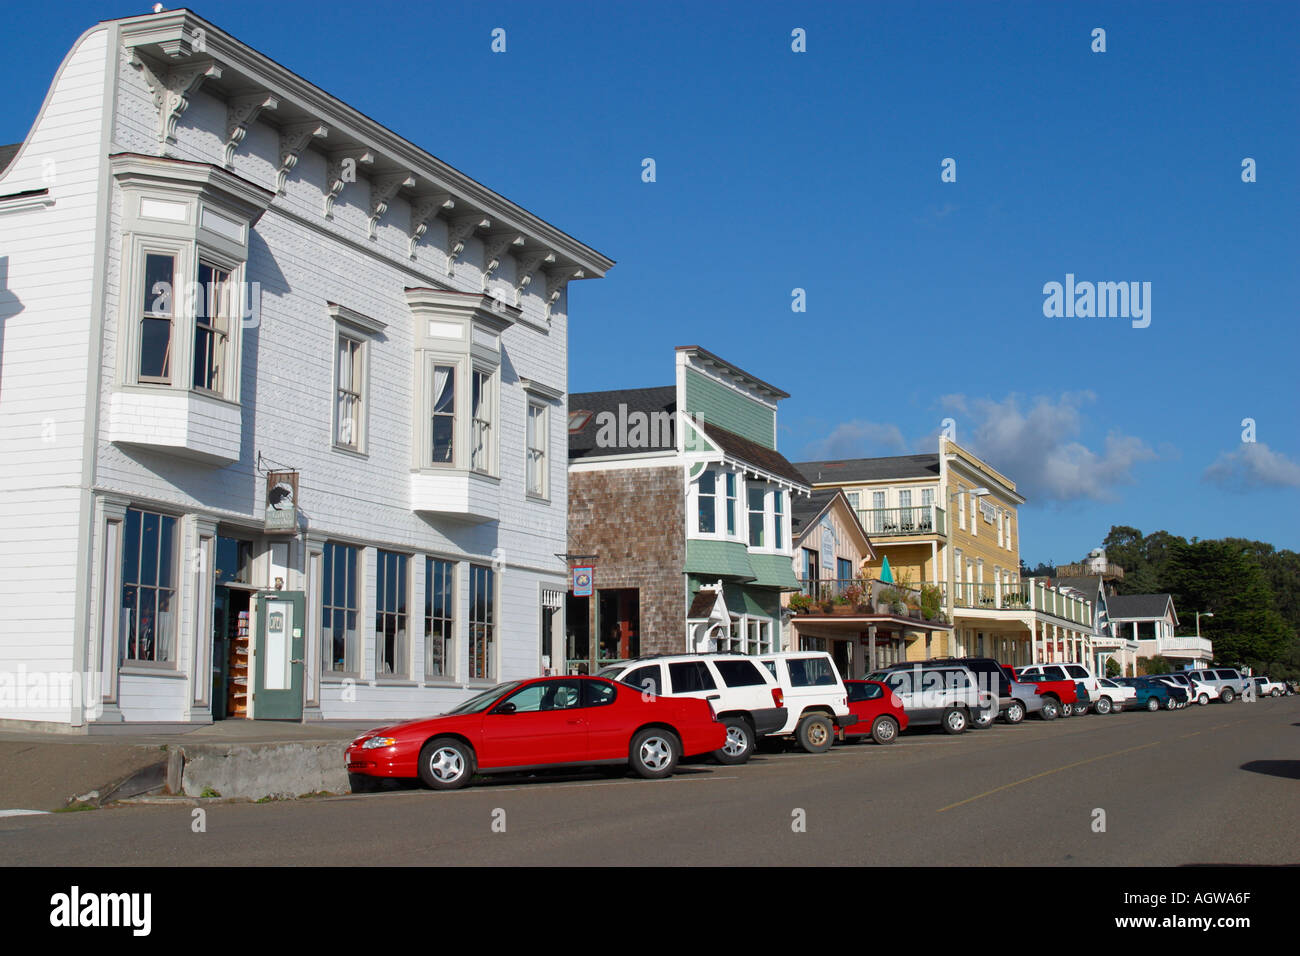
<point>892,598</point>
<point>801,604</point>
<point>931,601</point>
<point>842,606</point>
<point>857,597</point>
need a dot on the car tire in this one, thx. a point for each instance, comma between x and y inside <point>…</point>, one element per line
<point>815,734</point>
<point>985,719</point>
<point>1275,693</point>
<point>446,764</point>
<point>1015,712</point>
<point>1067,710</point>
<point>1051,709</point>
<point>740,744</point>
<point>654,753</point>
<point>1203,699</point>
<point>884,730</point>
<point>1153,703</point>
<point>1228,696</point>
<point>1103,705</point>
<point>955,720</point>
<point>1080,709</point>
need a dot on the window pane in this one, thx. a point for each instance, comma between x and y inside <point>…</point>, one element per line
<point>156,348</point>
<point>158,277</point>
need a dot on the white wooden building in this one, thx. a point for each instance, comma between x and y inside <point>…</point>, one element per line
<point>211,269</point>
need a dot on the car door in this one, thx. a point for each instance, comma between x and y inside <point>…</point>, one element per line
<point>541,723</point>
<point>611,715</point>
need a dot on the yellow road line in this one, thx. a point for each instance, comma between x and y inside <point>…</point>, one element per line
<point>1045,773</point>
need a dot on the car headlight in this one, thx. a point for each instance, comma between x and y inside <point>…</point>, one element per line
<point>374,743</point>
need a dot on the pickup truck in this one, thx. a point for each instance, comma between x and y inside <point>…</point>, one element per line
<point>1059,696</point>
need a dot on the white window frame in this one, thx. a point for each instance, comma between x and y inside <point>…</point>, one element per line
<point>536,457</point>
<point>362,359</point>
<point>491,405</point>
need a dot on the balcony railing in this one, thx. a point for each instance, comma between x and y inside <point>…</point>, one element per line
<point>1200,646</point>
<point>1001,597</point>
<point>1030,595</point>
<point>918,519</point>
<point>859,596</point>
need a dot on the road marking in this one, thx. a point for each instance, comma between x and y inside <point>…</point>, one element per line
<point>1196,734</point>
<point>22,813</point>
<point>1045,773</point>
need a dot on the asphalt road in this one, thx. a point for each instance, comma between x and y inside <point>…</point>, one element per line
<point>1209,785</point>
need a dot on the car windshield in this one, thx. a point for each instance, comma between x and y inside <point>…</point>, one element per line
<point>480,702</point>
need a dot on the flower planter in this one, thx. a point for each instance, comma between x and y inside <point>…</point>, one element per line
<point>843,610</point>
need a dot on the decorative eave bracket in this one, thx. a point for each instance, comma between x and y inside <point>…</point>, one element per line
<point>293,140</point>
<point>494,248</point>
<point>556,280</point>
<point>529,264</point>
<point>423,210</point>
<point>171,91</point>
<point>241,111</point>
<point>458,231</point>
<point>382,190</point>
<point>341,163</point>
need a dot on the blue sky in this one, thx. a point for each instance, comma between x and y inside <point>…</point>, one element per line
<point>778,170</point>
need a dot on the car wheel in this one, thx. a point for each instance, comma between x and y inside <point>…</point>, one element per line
<point>955,720</point>
<point>1067,710</point>
<point>1276,693</point>
<point>1203,699</point>
<point>884,730</point>
<point>1051,709</point>
<point>446,764</point>
<point>1103,705</point>
<point>1227,696</point>
<point>740,742</point>
<point>1153,703</point>
<point>654,753</point>
<point>1015,712</point>
<point>985,719</point>
<point>1080,709</point>
<point>815,734</point>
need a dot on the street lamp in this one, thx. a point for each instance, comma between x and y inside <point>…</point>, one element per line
<point>1199,615</point>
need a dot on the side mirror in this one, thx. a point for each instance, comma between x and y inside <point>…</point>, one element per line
<point>506,708</point>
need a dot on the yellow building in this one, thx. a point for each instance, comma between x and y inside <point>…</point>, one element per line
<point>951,520</point>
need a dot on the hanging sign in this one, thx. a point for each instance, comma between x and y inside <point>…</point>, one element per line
<point>582,580</point>
<point>281,501</point>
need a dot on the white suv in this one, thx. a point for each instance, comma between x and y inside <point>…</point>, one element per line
<point>744,695</point>
<point>1228,680</point>
<point>816,699</point>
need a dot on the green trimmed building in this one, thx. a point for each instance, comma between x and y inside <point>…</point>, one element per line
<point>681,503</point>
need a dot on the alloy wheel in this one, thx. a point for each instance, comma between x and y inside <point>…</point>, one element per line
<point>656,753</point>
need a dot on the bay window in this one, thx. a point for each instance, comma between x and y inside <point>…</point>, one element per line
<point>757,496</point>
<point>443,419</point>
<point>731,503</point>
<point>481,408</point>
<point>706,492</point>
<point>212,327</point>
<point>157,321</point>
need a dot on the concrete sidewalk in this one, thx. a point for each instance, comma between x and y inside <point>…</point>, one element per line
<point>44,771</point>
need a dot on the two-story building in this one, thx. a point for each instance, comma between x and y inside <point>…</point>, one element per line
<point>282,400</point>
<point>952,521</point>
<point>680,504</point>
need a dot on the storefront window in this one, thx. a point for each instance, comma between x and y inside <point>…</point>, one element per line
<point>148,608</point>
<point>339,655</point>
<point>438,606</point>
<point>390,614</point>
<point>482,622</point>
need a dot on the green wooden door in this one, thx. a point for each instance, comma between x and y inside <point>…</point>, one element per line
<point>277,690</point>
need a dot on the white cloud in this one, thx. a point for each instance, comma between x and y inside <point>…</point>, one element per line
<point>856,439</point>
<point>1253,465</point>
<point>1037,446</point>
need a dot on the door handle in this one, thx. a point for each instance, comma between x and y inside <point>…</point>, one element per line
<point>575,721</point>
<point>296,660</point>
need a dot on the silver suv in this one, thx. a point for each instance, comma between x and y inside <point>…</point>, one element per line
<point>937,693</point>
<point>1228,680</point>
<point>745,696</point>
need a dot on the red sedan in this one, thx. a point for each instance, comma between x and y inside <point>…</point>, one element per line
<point>545,722</point>
<point>878,709</point>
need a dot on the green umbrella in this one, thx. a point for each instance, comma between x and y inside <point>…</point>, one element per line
<point>885,574</point>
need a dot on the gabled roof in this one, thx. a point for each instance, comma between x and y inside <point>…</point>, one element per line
<point>841,470</point>
<point>648,401</point>
<point>773,462</point>
<point>1089,584</point>
<point>1140,607</point>
<point>805,512</point>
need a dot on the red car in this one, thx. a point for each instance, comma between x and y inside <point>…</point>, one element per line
<point>878,709</point>
<point>545,722</point>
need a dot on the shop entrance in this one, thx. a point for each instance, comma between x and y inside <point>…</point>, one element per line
<point>231,616</point>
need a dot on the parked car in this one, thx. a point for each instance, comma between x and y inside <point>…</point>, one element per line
<point>1269,688</point>
<point>1074,671</point>
<point>816,700</point>
<point>879,710</point>
<point>991,679</point>
<point>1025,698</point>
<point>1150,694</point>
<point>542,723</point>
<point>1179,695</point>
<point>746,696</point>
<point>1228,680</point>
<point>1059,693</point>
<point>1117,695</point>
<point>936,693</point>
<point>1197,690</point>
